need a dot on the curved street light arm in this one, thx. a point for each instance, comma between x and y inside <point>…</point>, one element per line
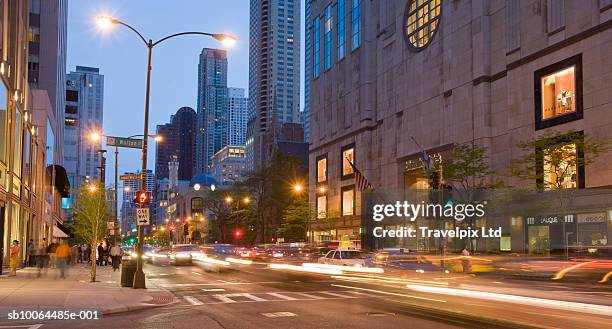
<point>133,30</point>
<point>182,33</point>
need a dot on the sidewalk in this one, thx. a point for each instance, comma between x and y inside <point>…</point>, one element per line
<point>26,291</point>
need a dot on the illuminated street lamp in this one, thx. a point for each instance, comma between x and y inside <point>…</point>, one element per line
<point>92,188</point>
<point>105,23</point>
<point>298,187</point>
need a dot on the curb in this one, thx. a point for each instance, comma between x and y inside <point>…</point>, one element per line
<point>133,308</point>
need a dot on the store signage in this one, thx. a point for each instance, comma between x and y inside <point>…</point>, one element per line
<point>598,217</point>
<point>550,220</point>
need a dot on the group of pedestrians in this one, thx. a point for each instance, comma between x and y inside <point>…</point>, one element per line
<point>59,254</point>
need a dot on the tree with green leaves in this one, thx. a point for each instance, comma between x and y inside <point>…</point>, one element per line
<point>92,213</point>
<point>552,160</point>
<point>161,238</point>
<point>295,220</point>
<point>467,167</point>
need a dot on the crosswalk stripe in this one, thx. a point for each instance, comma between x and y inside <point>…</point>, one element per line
<point>224,298</point>
<point>281,296</point>
<point>253,297</point>
<point>309,295</point>
<point>192,300</point>
<point>336,294</point>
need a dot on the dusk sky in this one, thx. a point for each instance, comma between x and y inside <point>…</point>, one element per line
<point>121,57</point>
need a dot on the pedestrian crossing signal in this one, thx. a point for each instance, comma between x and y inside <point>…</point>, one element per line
<point>143,198</point>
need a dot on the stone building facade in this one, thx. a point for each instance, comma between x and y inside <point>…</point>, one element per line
<point>409,75</point>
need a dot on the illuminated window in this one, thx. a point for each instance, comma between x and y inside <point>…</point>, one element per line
<point>560,167</point>
<point>558,93</point>
<point>322,170</point>
<point>321,206</point>
<point>421,22</point>
<point>348,201</point>
<point>348,158</point>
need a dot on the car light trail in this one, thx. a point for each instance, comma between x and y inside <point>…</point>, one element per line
<point>239,261</point>
<point>346,268</point>
<point>390,293</point>
<point>305,269</point>
<point>564,271</point>
<point>540,302</point>
<point>205,259</point>
<point>374,278</point>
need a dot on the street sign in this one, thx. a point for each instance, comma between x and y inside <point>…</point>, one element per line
<point>142,217</point>
<point>130,177</point>
<point>124,142</point>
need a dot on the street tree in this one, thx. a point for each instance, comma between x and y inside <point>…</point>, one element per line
<point>92,213</point>
<point>295,220</point>
<point>553,159</point>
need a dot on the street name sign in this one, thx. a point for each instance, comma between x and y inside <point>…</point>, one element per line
<point>124,142</point>
<point>142,217</point>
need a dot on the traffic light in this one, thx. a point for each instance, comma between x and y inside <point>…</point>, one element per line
<point>186,229</point>
<point>143,198</point>
<point>237,233</point>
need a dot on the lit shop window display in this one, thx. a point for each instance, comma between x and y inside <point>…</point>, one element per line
<point>560,173</point>
<point>559,93</point>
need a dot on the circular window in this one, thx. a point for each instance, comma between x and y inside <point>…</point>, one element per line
<point>421,22</point>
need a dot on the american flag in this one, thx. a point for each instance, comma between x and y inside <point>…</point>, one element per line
<point>360,180</point>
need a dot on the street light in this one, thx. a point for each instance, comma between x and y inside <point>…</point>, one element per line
<point>298,187</point>
<point>106,22</point>
<point>228,199</point>
<point>92,188</point>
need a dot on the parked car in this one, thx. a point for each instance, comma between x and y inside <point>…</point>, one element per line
<point>345,258</point>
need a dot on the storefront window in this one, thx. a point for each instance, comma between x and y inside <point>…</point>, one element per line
<point>321,170</point>
<point>18,145</point>
<point>3,130</point>
<point>348,202</point>
<point>560,167</point>
<point>348,158</point>
<point>321,206</point>
<point>558,95</point>
<point>28,166</point>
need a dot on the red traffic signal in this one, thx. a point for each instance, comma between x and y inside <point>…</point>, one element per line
<point>143,198</point>
<point>237,233</point>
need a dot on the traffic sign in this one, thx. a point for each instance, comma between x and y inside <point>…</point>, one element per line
<point>142,217</point>
<point>124,142</point>
<point>130,177</point>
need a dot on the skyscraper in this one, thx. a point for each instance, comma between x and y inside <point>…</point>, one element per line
<point>212,111</point>
<point>305,114</point>
<point>274,73</point>
<point>237,116</point>
<point>178,139</point>
<point>47,33</point>
<point>83,115</point>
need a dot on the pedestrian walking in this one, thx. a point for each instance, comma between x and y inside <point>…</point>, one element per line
<point>116,254</point>
<point>62,255</point>
<point>51,252</point>
<point>30,259</point>
<point>74,254</point>
<point>100,254</point>
<point>41,256</point>
<point>88,254</point>
<point>14,258</point>
<point>465,261</point>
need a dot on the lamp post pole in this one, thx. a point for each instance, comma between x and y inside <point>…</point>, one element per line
<point>116,221</point>
<point>106,22</point>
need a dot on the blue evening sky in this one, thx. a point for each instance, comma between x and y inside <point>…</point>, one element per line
<point>121,57</point>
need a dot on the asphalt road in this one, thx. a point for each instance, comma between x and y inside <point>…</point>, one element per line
<point>253,296</point>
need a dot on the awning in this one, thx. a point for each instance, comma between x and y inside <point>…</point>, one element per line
<point>60,180</point>
<point>57,233</point>
<point>61,231</point>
